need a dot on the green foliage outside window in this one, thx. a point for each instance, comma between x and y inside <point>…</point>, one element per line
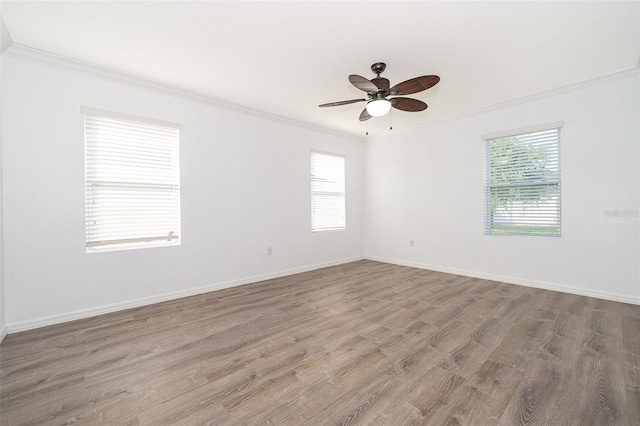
<point>523,184</point>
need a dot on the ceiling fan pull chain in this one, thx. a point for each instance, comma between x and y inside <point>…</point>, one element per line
<point>366,123</point>
<point>390,120</point>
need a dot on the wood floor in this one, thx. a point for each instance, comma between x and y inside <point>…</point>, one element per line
<point>364,343</point>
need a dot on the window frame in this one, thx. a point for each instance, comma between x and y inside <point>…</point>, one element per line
<point>527,182</point>
<point>132,181</point>
<point>341,193</point>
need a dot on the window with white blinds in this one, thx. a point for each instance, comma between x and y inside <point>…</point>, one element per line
<point>522,182</point>
<point>327,191</point>
<point>132,182</point>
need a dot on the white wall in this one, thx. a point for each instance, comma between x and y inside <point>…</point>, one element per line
<point>426,184</point>
<point>5,42</point>
<point>245,187</point>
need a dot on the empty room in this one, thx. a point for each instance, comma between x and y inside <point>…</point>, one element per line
<point>320,213</point>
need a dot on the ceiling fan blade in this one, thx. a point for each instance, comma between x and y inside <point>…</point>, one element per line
<point>362,83</point>
<point>414,85</point>
<point>408,104</point>
<point>364,115</point>
<point>381,83</point>
<point>350,101</point>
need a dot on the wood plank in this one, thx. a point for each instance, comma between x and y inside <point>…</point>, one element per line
<point>364,343</point>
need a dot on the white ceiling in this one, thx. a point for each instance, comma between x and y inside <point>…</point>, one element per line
<point>288,57</point>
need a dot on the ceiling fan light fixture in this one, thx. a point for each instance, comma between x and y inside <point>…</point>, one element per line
<point>378,107</point>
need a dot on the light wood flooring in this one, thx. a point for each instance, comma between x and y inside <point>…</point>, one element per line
<point>364,343</point>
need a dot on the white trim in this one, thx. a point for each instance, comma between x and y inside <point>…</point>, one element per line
<point>18,51</point>
<point>319,151</point>
<point>100,310</point>
<point>25,53</point>
<point>127,117</point>
<point>511,280</point>
<point>87,313</point>
<point>521,131</point>
<point>511,103</point>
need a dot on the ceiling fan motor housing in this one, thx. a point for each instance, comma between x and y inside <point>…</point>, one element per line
<point>378,68</point>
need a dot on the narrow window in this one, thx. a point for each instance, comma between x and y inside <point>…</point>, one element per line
<point>327,191</point>
<point>132,182</point>
<point>522,182</point>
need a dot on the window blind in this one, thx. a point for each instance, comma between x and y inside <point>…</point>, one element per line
<point>522,183</point>
<point>132,182</point>
<point>327,191</point>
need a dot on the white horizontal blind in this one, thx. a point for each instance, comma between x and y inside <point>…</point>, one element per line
<point>327,191</point>
<point>522,184</point>
<point>132,183</point>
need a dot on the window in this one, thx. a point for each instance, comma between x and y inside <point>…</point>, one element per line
<point>522,181</point>
<point>327,192</point>
<point>132,182</point>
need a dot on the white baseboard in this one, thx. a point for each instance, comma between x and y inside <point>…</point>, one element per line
<point>511,280</point>
<point>105,309</point>
<point>3,332</point>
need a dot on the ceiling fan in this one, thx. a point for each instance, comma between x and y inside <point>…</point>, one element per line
<point>378,90</point>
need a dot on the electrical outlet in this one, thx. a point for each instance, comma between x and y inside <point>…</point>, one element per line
<point>411,243</point>
<point>269,251</point>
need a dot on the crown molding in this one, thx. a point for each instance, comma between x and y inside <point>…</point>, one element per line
<point>510,103</point>
<point>29,54</point>
<point>42,57</point>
